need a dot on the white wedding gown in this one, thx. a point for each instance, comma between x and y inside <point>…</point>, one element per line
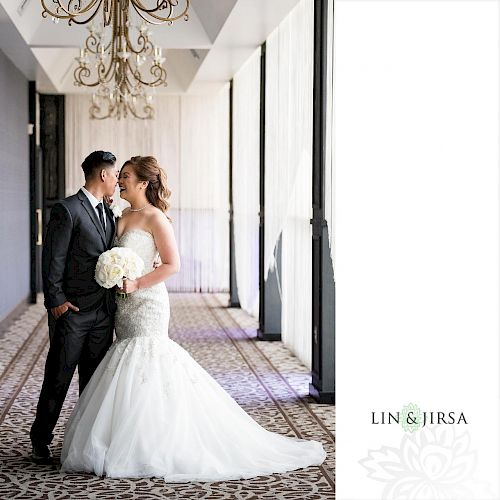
<point>150,410</point>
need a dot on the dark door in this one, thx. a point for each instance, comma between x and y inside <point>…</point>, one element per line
<point>52,146</point>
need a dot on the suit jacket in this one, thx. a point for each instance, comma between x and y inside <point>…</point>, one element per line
<point>74,240</point>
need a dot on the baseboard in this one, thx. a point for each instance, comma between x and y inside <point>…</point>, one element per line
<point>321,396</point>
<point>268,336</point>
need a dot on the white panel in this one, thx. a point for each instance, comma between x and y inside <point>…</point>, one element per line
<point>246,159</point>
<point>203,192</point>
<point>417,246</point>
<point>289,110</point>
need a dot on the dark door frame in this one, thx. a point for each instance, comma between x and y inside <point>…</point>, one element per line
<point>234,300</point>
<point>35,192</point>
<point>322,387</point>
<point>269,296</point>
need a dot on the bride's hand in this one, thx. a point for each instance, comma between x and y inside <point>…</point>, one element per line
<point>129,286</point>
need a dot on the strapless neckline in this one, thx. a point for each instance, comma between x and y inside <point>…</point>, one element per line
<point>142,242</point>
<point>136,230</point>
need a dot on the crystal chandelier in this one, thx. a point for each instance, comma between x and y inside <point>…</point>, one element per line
<point>115,68</point>
<point>113,64</point>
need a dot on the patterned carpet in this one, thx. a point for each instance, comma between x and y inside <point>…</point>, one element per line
<point>264,377</point>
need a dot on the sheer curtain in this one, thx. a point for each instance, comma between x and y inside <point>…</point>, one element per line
<point>189,137</point>
<point>203,204</point>
<point>288,199</point>
<point>246,130</point>
<point>124,138</point>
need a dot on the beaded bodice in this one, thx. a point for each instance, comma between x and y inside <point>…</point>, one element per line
<point>142,243</point>
<point>145,312</point>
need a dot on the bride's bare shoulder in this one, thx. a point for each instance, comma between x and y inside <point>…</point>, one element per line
<point>159,221</point>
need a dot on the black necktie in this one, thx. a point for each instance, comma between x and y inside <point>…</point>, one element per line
<point>101,215</point>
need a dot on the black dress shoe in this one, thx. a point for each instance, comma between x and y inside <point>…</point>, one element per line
<point>40,454</point>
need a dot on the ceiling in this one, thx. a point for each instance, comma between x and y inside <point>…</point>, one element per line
<point>202,54</point>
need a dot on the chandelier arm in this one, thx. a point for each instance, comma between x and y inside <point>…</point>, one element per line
<point>127,83</point>
<point>159,72</point>
<point>85,21</point>
<point>92,44</point>
<point>147,19</point>
<point>144,46</point>
<point>159,4</point>
<point>74,20</point>
<point>79,78</point>
<point>147,111</point>
<point>94,109</point>
<point>67,14</point>
<point>142,10</point>
<point>135,73</point>
<point>107,73</point>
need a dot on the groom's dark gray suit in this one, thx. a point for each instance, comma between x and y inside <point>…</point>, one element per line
<point>74,240</point>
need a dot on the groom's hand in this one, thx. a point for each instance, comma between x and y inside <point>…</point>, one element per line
<point>58,311</point>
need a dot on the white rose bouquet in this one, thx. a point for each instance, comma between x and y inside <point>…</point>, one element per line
<point>115,265</point>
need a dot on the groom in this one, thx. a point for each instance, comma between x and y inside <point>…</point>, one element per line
<point>80,312</point>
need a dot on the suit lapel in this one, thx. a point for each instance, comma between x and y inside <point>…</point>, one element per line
<point>110,225</point>
<point>93,216</point>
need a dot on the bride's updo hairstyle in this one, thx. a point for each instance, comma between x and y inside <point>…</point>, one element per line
<point>146,168</point>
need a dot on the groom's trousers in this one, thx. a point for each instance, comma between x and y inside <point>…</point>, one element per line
<point>76,339</point>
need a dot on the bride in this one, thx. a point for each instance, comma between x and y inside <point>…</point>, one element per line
<point>150,410</point>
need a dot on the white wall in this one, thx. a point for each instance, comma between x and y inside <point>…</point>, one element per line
<point>417,244</point>
<point>14,188</point>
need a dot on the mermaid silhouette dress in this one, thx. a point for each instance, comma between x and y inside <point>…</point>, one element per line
<point>150,410</point>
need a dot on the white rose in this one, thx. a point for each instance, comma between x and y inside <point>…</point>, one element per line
<point>109,276</point>
<point>109,271</point>
<point>115,258</point>
<point>134,266</point>
<point>105,259</point>
<point>114,275</point>
<point>101,276</point>
<point>117,211</point>
<point>115,264</point>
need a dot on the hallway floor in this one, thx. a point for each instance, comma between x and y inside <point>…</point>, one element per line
<point>263,377</point>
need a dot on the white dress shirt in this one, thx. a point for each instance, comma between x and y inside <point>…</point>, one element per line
<point>94,202</point>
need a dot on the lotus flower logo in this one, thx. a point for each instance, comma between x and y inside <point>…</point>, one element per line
<point>431,463</point>
<point>412,418</point>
